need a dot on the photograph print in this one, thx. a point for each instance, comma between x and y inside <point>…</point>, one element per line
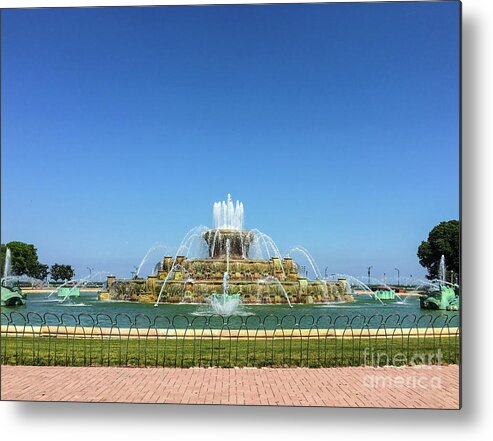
<point>249,204</point>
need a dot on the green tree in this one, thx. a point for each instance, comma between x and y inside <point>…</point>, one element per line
<point>68,272</point>
<point>61,272</point>
<point>56,272</point>
<point>24,258</point>
<point>443,239</point>
<point>42,272</point>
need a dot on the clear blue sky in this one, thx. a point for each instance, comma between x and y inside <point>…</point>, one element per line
<point>337,125</point>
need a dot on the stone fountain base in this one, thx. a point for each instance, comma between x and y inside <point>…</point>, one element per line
<point>256,281</point>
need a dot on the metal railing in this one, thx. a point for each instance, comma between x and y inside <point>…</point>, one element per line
<point>215,341</point>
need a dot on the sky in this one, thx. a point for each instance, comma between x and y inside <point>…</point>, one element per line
<point>336,125</point>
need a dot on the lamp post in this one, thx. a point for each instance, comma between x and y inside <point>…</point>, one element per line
<point>90,270</point>
<point>398,277</point>
<point>325,272</point>
<point>384,278</point>
<point>369,274</point>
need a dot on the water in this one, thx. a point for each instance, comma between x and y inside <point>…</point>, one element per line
<point>184,249</point>
<point>157,268</point>
<point>226,274</point>
<point>176,267</point>
<point>442,269</point>
<point>275,280</point>
<point>353,281</point>
<point>383,283</point>
<point>263,246</point>
<point>78,284</point>
<point>222,304</point>
<point>63,285</point>
<point>227,216</point>
<point>308,257</point>
<point>190,315</point>
<point>7,269</point>
<point>147,255</point>
<point>225,304</point>
<point>193,244</point>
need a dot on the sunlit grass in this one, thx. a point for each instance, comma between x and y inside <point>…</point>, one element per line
<point>223,352</point>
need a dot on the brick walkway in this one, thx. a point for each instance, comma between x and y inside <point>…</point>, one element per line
<point>421,387</point>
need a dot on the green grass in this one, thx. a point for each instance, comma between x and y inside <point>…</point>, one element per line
<point>69,351</point>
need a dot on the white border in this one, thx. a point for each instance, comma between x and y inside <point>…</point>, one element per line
<point>99,421</point>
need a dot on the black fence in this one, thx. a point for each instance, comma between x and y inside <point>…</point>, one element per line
<point>216,341</point>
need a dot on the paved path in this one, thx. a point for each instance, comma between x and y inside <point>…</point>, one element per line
<point>422,387</point>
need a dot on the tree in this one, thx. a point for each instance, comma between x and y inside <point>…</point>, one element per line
<point>42,272</point>
<point>24,258</point>
<point>61,272</point>
<point>443,239</point>
<point>68,272</point>
<point>56,272</point>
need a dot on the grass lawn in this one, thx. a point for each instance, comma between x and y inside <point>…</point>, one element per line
<point>228,352</point>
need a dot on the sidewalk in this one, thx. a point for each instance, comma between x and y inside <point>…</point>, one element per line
<point>410,387</point>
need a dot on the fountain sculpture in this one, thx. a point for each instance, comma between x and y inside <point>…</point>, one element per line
<point>238,265</point>
<point>11,295</point>
<point>441,294</point>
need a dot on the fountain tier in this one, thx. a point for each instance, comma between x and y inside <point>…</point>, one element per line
<point>239,240</point>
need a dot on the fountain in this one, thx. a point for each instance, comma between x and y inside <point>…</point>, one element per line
<point>68,289</point>
<point>225,304</point>
<point>441,294</point>
<point>7,269</point>
<point>70,292</point>
<point>10,294</point>
<point>226,266</point>
<point>274,280</point>
<point>442,270</point>
<point>347,280</point>
<point>308,257</point>
<point>445,298</point>
<point>146,257</point>
<point>385,292</point>
<point>71,289</point>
